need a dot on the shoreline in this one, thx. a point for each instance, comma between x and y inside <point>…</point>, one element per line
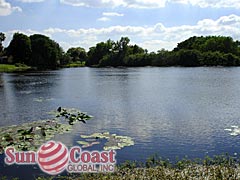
<point>8,68</point>
<point>11,68</point>
<point>216,168</point>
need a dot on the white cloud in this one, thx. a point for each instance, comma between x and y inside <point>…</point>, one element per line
<point>152,3</point>
<point>31,1</point>
<point>145,3</point>
<point>112,14</point>
<point>155,45</point>
<point>215,3</point>
<point>116,3</point>
<point>107,15</point>
<point>93,3</point>
<point>6,8</point>
<point>152,38</point>
<point>104,19</point>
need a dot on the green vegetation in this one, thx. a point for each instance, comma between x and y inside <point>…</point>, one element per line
<point>46,53</point>
<point>195,51</point>
<point>77,54</point>
<point>75,64</point>
<point>115,54</point>
<point>74,57</point>
<point>113,141</point>
<point>2,38</point>
<point>19,49</point>
<point>13,68</point>
<point>41,52</point>
<point>30,136</point>
<point>37,51</point>
<point>217,168</point>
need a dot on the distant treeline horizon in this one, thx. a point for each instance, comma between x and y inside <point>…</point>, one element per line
<point>41,52</point>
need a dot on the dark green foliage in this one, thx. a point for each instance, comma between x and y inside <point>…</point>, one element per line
<point>164,58</point>
<point>20,48</point>
<point>135,56</point>
<point>218,58</point>
<point>46,53</point>
<point>189,58</point>
<point>95,54</point>
<point>118,53</point>
<point>136,60</point>
<point>195,51</point>
<point>42,52</point>
<point>201,51</point>
<point>2,38</point>
<point>77,54</point>
<point>210,43</point>
<point>37,50</point>
<point>65,59</point>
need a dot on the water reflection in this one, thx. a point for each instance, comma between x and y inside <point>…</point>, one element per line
<point>169,111</point>
<point>1,80</point>
<point>19,92</point>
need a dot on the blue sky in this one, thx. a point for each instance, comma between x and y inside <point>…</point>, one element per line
<point>152,24</point>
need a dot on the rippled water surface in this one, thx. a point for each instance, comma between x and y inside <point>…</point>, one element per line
<point>169,111</point>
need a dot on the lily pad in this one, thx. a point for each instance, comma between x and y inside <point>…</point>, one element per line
<point>113,141</point>
<point>71,115</point>
<point>29,136</point>
<point>32,135</point>
<point>86,144</point>
<point>82,142</point>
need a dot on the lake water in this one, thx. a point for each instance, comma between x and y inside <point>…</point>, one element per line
<point>172,112</point>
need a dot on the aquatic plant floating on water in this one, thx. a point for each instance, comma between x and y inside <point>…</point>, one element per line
<point>30,136</point>
<point>234,130</point>
<point>113,141</point>
<point>71,115</point>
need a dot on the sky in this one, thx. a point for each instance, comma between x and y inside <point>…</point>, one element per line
<point>151,24</point>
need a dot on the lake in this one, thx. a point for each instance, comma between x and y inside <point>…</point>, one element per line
<point>172,112</point>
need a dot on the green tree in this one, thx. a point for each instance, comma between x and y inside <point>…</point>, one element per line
<point>210,43</point>
<point>95,54</point>
<point>65,59</point>
<point>2,38</point>
<point>20,48</point>
<point>46,53</point>
<point>136,56</point>
<point>189,58</point>
<point>164,58</point>
<point>135,49</point>
<point>195,51</point>
<point>137,60</point>
<point>77,54</point>
<point>118,52</point>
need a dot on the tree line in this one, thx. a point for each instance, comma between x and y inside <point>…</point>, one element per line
<point>44,53</point>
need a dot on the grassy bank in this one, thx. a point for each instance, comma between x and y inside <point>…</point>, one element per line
<point>162,173</point>
<point>13,68</point>
<point>75,64</point>
<point>218,168</point>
